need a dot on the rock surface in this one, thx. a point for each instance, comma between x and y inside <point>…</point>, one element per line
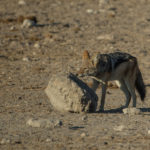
<point>70,94</point>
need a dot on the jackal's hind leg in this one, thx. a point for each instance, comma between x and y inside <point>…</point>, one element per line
<point>125,90</point>
<point>131,87</point>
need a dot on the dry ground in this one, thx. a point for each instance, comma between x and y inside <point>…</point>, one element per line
<point>29,56</point>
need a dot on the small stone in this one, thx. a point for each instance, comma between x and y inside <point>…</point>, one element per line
<point>119,128</point>
<point>34,123</point>
<point>90,11</point>
<point>43,123</point>
<point>12,28</point>
<point>131,111</point>
<point>5,141</point>
<point>105,37</point>
<point>21,2</point>
<point>36,45</point>
<point>83,135</point>
<point>58,123</point>
<point>84,118</point>
<point>25,59</point>
<point>111,14</point>
<point>102,3</point>
<point>27,23</point>
<point>148,131</point>
<point>48,140</point>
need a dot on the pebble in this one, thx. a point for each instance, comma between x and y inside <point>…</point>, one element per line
<point>83,135</point>
<point>27,23</point>
<point>84,118</point>
<point>36,45</point>
<point>58,123</point>
<point>25,59</point>
<point>148,131</point>
<point>43,123</point>
<point>131,111</point>
<point>105,37</point>
<point>102,3</point>
<point>90,11</point>
<point>4,141</point>
<point>48,140</point>
<point>12,28</point>
<point>111,13</point>
<point>119,128</point>
<point>22,2</point>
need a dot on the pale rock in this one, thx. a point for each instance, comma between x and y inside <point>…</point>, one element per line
<point>83,135</point>
<point>36,45</point>
<point>43,123</point>
<point>119,128</point>
<point>90,11</point>
<point>84,118</point>
<point>27,23</point>
<point>58,123</point>
<point>67,93</point>
<point>12,28</point>
<point>21,2</point>
<point>5,141</point>
<point>108,37</point>
<point>103,3</point>
<point>48,140</point>
<point>131,111</point>
<point>25,59</point>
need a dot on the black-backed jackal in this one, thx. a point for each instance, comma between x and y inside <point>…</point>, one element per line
<point>118,66</point>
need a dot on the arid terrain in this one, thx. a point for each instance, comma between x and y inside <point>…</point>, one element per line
<point>29,56</point>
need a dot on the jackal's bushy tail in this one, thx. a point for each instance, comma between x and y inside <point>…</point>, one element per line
<point>139,84</point>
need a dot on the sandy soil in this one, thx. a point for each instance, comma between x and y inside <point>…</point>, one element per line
<point>29,56</point>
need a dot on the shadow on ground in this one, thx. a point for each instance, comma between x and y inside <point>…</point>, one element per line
<point>119,110</point>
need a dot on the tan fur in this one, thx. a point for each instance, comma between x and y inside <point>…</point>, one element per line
<point>126,74</point>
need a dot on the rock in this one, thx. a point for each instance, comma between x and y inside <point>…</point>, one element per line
<point>5,141</point>
<point>44,123</point>
<point>111,13</point>
<point>105,37</point>
<point>103,3</point>
<point>36,45</point>
<point>12,28</point>
<point>90,11</point>
<point>84,118</point>
<point>83,135</point>
<point>48,140</point>
<point>148,131</point>
<point>27,23</point>
<point>21,2</point>
<point>119,128</point>
<point>68,93</point>
<point>58,123</point>
<point>25,59</point>
<point>131,111</point>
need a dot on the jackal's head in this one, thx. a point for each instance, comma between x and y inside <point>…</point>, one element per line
<point>88,67</point>
<point>93,66</point>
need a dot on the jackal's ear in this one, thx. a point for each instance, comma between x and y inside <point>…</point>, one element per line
<point>95,60</point>
<point>85,55</point>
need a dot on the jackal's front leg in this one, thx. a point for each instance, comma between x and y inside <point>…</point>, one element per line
<point>95,85</point>
<point>104,87</point>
